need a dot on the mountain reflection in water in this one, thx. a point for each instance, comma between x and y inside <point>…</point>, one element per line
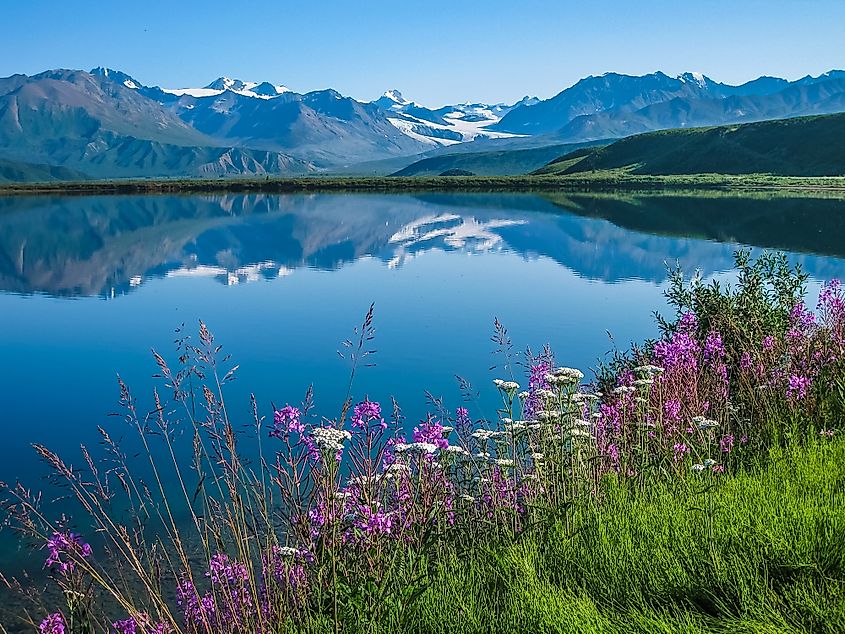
<point>107,246</point>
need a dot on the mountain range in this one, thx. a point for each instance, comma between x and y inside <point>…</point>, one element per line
<point>71,124</point>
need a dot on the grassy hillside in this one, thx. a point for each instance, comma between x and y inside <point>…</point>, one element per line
<point>15,172</point>
<point>805,146</point>
<point>493,163</point>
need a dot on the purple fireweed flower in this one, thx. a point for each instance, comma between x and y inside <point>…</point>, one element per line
<point>726,444</point>
<point>680,450</point>
<point>198,609</point>
<point>62,548</point>
<point>286,420</point>
<point>745,362</point>
<point>536,382</point>
<point>688,323</point>
<point>463,425</point>
<point>768,342</point>
<point>140,625</point>
<point>798,387</point>
<point>125,626</point>
<point>430,431</point>
<point>52,624</point>
<point>373,521</point>
<point>367,413</point>
<point>718,468</point>
<point>223,570</point>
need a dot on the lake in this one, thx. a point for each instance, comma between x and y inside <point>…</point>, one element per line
<point>88,285</point>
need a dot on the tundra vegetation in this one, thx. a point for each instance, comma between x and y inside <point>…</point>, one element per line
<point>694,484</point>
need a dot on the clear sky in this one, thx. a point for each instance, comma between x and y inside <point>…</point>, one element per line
<point>434,52</point>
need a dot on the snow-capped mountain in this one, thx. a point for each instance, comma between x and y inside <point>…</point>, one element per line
<point>260,90</point>
<point>105,123</point>
<point>447,125</point>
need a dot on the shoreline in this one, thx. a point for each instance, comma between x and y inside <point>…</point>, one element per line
<point>601,182</point>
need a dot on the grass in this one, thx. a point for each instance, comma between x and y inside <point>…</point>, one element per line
<point>596,181</point>
<point>801,146</point>
<point>762,550</point>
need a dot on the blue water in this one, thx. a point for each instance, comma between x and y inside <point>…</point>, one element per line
<point>89,285</point>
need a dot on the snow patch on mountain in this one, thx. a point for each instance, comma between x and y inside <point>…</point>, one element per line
<point>222,84</point>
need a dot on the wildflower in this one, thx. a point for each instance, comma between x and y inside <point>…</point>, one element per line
<point>624,389</point>
<point>430,431</point>
<point>726,444</point>
<point>330,439</point>
<point>63,548</point>
<point>644,382</point>
<point>467,498</point>
<point>523,395</point>
<point>582,397</point>
<point>798,387</point>
<point>768,342</point>
<point>649,370</point>
<point>504,462</point>
<point>571,375</point>
<point>366,413</point>
<point>285,420</point>
<point>827,433</point>
<point>506,386</point>
<point>718,468</point>
<point>536,456</point>
<point>455,450</point>
<point>416,447</point>
<point>680,451</point>
<point>52,624</point>
<point>709,462</point>
<point>704,424</point>
<point>698,467</point>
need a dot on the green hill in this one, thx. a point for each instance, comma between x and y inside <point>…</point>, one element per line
<point>493,163</point>
<point>16,172</point>
<point>804,146</point>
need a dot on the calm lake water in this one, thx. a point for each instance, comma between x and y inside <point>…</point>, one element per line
<point>88,285</point>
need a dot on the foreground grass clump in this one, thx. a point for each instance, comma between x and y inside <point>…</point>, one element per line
<point>762,550</point>
<point>695,485</point>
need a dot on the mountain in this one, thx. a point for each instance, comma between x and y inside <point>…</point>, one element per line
<point>448,125</point>
<point>496,163</point>
<point>614,105</point>
<point>99,124</point>
<point>107,124</point>
<point>804,146</point>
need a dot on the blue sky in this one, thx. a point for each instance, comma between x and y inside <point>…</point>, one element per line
<point>434,52</point>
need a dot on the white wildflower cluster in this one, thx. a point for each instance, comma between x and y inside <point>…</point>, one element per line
<point>644,382</point>
<point>288,551</point>
<point>523,395</point>
<point>564,376</point>
<point>361,480</point>
<point>698,467</point>
<point>506,386</point>
<point>583,397</point>
<point>704,424</point>
<point>575,432</point>
<point>396,470</point>
<point>579,422</point>
<point>455,450</point>
<point>624,389</point>
<point>446,429</point>
<point>504,462</point>
<point>484,435</point>
<point>648,370</point>
<point>330,439</point>
<point>536,456</point>
<point>551,415</point>
<point>468,498</point>
<point>545,394</point>
<point>415,448</point>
